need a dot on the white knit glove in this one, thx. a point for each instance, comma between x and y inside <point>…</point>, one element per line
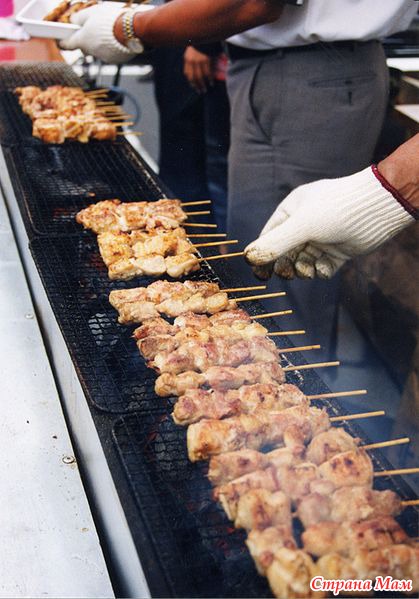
<point>95,36</point>
<point>321,225</point>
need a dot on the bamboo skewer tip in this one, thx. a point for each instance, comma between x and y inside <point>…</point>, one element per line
<point>356,416</point>
<point>272,314</point>
<point>261,296</point>
<point>285,333</point>
<point>308,366</point>
<point>390,443</point>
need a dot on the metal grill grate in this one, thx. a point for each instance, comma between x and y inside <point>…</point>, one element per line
<point>15,125</point>
<point>112,373</point>
<point>52,183</point>
<point>37,73</point>
<point>201,553</point>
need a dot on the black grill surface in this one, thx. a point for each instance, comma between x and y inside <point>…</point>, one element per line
<point>201,553</point>
<point>42,74</point>
<point>113,374</point>
<point>52,183</point>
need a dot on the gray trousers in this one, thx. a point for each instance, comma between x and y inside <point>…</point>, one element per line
<point>299,116</point>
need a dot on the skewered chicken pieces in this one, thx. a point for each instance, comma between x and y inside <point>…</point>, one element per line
<point>263,544</point>
<point>347,503</point>
<point>349,538</point>
<point>115,216</point>
<point>137,305</point>
<point>195,355</point>
<point>290,573</point>
<point>198,404</point>
<point>292,426</point>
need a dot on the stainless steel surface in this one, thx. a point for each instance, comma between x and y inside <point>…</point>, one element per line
<point>114,529</point>
<point>49,543</point>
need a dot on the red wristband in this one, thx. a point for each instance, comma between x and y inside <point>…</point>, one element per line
<point>396,194</point>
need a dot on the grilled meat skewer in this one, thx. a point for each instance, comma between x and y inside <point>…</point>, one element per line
<point>296,480</point>
<point>220,378</point>
<point>172,299</point>
<point>199,404</point>
<point>229,466</point>
<point>199,356</point>
<point>115,216</point>
<point>293,426</point>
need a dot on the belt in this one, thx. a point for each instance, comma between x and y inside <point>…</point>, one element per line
<point>239,53</point>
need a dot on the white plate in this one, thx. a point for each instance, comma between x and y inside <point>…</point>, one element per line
<point>31,18</point>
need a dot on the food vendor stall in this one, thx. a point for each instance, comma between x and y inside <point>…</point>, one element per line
<point>152,513</point>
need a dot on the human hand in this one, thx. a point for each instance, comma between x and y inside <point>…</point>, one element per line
<point>198,69</point>
<point>96,34</point>
<point>321,225</point>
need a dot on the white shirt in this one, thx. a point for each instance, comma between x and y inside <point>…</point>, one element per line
<point>329,21</point>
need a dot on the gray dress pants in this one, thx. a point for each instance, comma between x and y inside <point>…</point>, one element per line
<point>298,116</point>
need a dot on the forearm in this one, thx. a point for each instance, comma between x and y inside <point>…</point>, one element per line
<point>401,170</point>
<point>198,21</point>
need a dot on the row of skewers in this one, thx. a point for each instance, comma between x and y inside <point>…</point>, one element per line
<point>312,471</point>
<point>148,238</point>
<point>273,456</point>
<point>59,113</point>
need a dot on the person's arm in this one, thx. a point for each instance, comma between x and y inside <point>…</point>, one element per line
<point>180,22</point>
<point>321,225</point>
<point>183,22</point>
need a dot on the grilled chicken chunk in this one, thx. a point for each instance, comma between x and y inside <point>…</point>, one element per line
<point>263,544</point>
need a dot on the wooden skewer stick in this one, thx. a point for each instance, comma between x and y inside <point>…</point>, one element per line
<point>286,333</point>
<point>138,133</point>
<point>280,313</point>
<point>124,123</point>
<point>202,225</point>
<point>289,350</point>
<point>390,443</point>
<point>356,416</point>
<point>198,212</point>
<point>116,117</point>
<point>203,235</point>
<point>106,104</point>
<point>212,243</point>
<point>338,394</point>
<point>199,203</point>
<point>308,366</point>
<point>400,471</point>
<point>409,502</point>
<point>221,256</point>
<point>95,91</point>
<point>250,288</point>
<point>250,298</point>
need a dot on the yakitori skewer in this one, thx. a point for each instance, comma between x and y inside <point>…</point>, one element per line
<point>410,502</point>
<point>201,225</point>
<point>288,350</point>
<point>339,394</point>
<point>197,203</point>
<point>391,443</point>
<point>207,235</point>
<point>198,212</point>
<point>215,243</point>
<point>357,416</point>
<point>399,471</point>
<point>248,288</point>
<point>220,256</point>
<point>125,133</point>
<point>310,366</point>
<point>271,314</point>
<point>261,296</point>
<point>286,333</point>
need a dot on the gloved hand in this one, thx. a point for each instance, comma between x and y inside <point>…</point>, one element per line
<point>96,35</point>
<point>321,225</point>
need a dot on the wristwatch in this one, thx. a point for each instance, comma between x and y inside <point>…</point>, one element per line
<point>131,41</point>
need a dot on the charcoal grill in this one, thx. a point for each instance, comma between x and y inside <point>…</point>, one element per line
<point>199,553</point>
